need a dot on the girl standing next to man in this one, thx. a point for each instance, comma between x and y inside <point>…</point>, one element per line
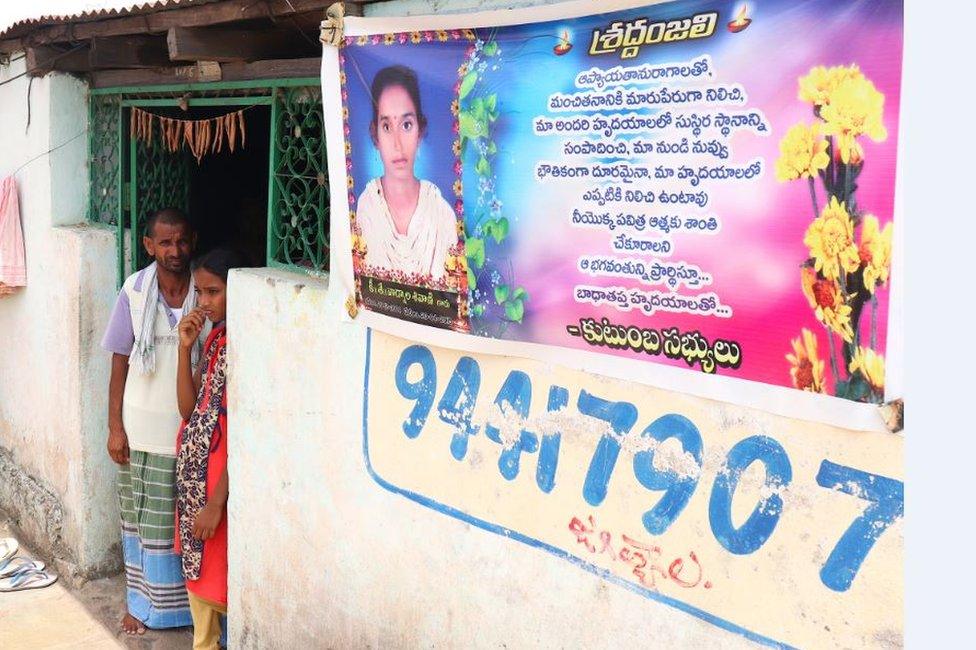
<point>201,464</point>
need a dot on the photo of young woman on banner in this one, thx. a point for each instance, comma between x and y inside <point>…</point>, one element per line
<point>407,244</point>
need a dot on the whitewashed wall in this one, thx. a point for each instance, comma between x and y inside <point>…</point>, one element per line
<point>321,556</point>
<point>56,480</point>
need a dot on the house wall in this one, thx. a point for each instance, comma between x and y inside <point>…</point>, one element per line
<point>54,472</point>
<point>321,555</point>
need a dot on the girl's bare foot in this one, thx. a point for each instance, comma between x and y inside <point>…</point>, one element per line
<point>131,625</point>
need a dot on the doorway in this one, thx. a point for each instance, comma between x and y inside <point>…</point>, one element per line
<point>224,193</point>
<point>269,198</point>
<point>228,197</point>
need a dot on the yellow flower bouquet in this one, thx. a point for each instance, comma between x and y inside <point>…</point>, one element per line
<point>849,251</point>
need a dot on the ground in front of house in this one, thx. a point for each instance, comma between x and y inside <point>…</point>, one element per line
<point>64,618</point>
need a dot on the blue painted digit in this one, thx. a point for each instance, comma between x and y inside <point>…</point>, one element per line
<point>621,417</point>
<point>678,487</point>
<point>761,523</point>
<point>422,391</point>
<point>514,397</point>
<point>545,472</point>
<point>887,497</point>
<point>457,404</point>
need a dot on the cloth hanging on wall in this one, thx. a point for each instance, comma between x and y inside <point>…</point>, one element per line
<point>13,265</point>
<point>199,136</point>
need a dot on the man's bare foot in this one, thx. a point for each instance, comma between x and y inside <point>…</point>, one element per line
<point>131,625</point>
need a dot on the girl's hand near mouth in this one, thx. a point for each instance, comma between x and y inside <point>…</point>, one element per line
<point>190,327</point>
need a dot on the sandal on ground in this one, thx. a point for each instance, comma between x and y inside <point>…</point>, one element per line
<point>27,578</point>
<point>8,548</point>
<point>16,564</point>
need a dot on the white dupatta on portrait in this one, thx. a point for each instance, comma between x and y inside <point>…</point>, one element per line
<point>425,246</point>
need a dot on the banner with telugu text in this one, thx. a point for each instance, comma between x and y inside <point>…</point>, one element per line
<point>693,185</point>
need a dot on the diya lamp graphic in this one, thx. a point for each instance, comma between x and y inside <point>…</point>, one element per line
<point>563,46</point>
<point>741,21</point>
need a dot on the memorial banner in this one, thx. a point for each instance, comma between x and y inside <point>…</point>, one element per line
<point>703,190</point>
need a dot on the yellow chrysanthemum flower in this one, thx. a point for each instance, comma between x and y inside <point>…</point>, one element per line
<point>856,108</point>
<point>441,35</point>
<point>456,147</point>
<point>871,366</point>
<point>818,85</point>
<point>831,241</point>
<point>351,307</point>
<point>828,303</point>
<point>803,152</point>
<point>875,252</point>
<point>458,188</point>
<point>456,264</point>
<point>807,368</point>
<point>358,245</point>
<point>415,37</point>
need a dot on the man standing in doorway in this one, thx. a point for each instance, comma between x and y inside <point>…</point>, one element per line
<point>143,420</point>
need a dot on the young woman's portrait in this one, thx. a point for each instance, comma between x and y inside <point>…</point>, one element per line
<point>406,223</point>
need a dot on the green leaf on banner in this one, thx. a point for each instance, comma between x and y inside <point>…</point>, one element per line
<point>520,294</point>
<point>491,101</point>
<point>490,49</point>
<point>501,229</point>
<point>478,109</point>
<point>467,84</point>
<point>514,310</point>
<point>475,251</point>
<point>492,149</point>
<point>478,310</point>
<point>857,388</point>
<point>496,232</point>
<point>469,126</point>
<point>472,280</point>
<point>501,293</point>
<point>840,389</point>
<point>483,168</point>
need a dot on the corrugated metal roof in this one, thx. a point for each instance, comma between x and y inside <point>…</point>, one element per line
<point>18,20</point>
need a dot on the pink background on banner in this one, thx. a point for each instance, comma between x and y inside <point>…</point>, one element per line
<point>755,259</point>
